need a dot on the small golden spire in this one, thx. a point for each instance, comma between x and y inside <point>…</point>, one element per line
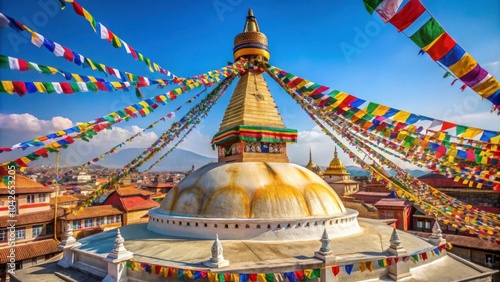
<point>251,24</point>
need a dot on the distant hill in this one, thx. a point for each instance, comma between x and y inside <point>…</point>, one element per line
<point>177,160</point>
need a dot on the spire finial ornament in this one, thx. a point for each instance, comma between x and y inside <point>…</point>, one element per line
<point>437,235</point>
<point>310,155</point>
<point>436,230</point>
<point>250,12</point>
<point>119,253</point>
<point>395,241</point>
<point>217,260</point>
<point>325,244</point>
<point>68,236</point>
<point>335,154</point>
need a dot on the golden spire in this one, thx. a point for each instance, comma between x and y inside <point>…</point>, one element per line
<point>252,129</point>
<point>251,24</point>
<point>251,42</point>
<point>251,104</point>
<point>336,166</point>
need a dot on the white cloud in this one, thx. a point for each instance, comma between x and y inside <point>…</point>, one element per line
<point>493,66</point>
<point>27,122</point>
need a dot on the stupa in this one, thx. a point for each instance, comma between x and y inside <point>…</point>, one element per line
<point>337,176</point>
<point>253,216</point>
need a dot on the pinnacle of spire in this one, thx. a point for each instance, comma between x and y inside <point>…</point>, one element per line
<point>395,241</point>
<point>251,24</point>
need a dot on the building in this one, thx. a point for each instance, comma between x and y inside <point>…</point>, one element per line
<point>28,217</point>
<point>91,220</point>
<point>83,177</point>
<point>393,207</point>
<point>339,178</point>
<point>134,203</point>
<point>255,216</point>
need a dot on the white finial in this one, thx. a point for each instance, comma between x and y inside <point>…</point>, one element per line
<point>436,231</point>
<point>217,260</point>
<point>68,236</point>
<point>395,241</point>
<point>119,252</point>
<point>437,235</point>
<point>325,243</point>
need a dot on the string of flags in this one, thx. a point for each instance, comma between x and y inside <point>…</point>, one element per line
<point>106,34</point>
<point>293,276</point>
<point>432,39</point>
<point>59,50</point>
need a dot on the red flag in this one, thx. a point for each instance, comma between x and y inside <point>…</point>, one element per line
<point>442,46</point>
<point>78,9</point>
<point>66,88</point>
<point>407,15</point>
<point>68,55</point>
<point>19,87</point>
<point>23,65</point>
<point>335,270</point>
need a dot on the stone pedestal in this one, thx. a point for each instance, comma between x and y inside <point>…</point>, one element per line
<point>117,270</point>
<point>401,269</point>
<point>66,246</point>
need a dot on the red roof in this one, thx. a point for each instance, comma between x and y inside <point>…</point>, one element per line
<point>133,203</point>
<point>128,199</point>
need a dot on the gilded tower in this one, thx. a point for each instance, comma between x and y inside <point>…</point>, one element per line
<point>252,129</point>
<point>337,176</point>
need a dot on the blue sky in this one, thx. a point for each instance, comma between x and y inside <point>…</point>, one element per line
<point>334,43</point>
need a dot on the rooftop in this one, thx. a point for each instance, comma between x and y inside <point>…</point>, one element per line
<point>25,185</point>
<point>30,218</point>
<point>30,250</point>
<point>95,211</point>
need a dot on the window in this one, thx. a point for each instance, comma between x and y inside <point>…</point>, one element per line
<point>20,233</point>
<point>50,229</point>
<point>31,198</point>
<point>89,222</point>
<point>37,230</point>
<point>3,235</point>
<point>427,224</point>
<point>420,224</point>
<point>77,224</point>
<point>41,198</point>
<point>111,219</point>
<point>102,220</point>
<point>118,218</point>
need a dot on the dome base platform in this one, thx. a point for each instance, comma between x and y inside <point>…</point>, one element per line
<point>309,228</point>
